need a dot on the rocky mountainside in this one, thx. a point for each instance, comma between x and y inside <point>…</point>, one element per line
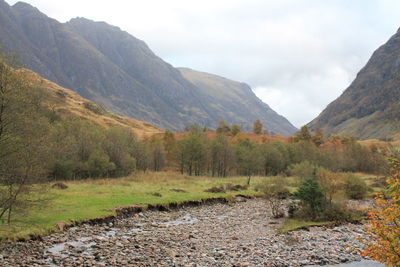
<point>227,96</point>
<point>118,71</point>
<point>370,106</point>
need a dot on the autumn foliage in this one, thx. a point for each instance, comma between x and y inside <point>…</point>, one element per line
<point>384,224</point>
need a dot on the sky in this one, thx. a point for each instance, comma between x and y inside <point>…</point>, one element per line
<point>297,55</point>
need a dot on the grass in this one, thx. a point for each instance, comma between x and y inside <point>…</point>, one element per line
<point>96,198</point>
<point>294,224</point>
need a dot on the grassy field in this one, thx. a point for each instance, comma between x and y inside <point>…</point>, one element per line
<point>96,198</point>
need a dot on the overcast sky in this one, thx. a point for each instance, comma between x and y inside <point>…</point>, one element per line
<point>297,55</point>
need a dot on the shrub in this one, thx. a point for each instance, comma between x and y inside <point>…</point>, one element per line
<point>338,213</point>
<point>275,192</point>
<point>330,182</point>
<point>59,186</point>
<point>303,169</point>
<point>355,187</point>
<point>238,187</point>
<point>215,189</point>
<point>312,199</point>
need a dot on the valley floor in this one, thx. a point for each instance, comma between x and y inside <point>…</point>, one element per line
<point>241,234</point>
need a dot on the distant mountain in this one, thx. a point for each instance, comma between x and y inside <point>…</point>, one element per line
<point>234,99</point>
<point>370,106</point>
<point>113,68</point>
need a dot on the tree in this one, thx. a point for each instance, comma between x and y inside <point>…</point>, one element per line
<point>169,143</point>
<point>318,137</point>
<point>157,152</point>
<point>248,158</point>
<point>273,160</point>
<point>221,156</point>
<point>223,127</point>
<point>191,153</point>
<point>384,223</point>
<point>330,182</point>
<point>257,127</point>
<point>303,135</point>
<point>235,129</point>
<point>23,131</point>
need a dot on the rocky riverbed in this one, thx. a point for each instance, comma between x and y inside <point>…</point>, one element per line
<point>241,234</point>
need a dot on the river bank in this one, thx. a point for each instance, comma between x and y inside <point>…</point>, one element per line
<point>241,234</point>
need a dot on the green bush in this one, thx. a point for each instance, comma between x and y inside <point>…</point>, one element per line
<point>355,187</point>
<point>338,213</point>
<point>303,169</point>
<point>312,199</point>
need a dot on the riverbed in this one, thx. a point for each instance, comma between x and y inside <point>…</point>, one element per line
<point>239,234</point>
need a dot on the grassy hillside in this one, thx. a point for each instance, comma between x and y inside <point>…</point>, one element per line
<point>66,102</point>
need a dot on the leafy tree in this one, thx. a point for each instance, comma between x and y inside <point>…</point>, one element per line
<point>221,156</point>
<point>191,153</point>
<point>235,129</point>
<point>257,127</point>
<point>384,223</point>
<point>273,159</point>
<point>169,143</point>
<point>318,137</point>
<point>23,131</point>
<point>223,127</point>
<point>330,182</point>
<point>117,144</point>
<point>303,135</point>
<point>248,158</point>
<point>157,154</point>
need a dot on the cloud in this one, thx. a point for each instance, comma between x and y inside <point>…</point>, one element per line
<point>297,55</point>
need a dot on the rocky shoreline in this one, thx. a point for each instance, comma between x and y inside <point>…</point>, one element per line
<point>240,234</point>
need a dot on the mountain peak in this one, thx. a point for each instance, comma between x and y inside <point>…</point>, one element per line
<point>113,68</point>
<point>370,106</point>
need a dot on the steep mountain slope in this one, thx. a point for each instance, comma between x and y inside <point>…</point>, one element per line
<point>227,96</point>
<point>370,106</point>
<point>67,103</point>
<point>111,67</point>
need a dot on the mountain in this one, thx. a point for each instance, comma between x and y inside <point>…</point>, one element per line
<point>234,99</point>
<point>370,106</point>
<point>66,103</point>
<point>109,66</point>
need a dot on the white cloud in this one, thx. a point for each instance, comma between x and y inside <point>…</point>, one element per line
<point>299,55</point>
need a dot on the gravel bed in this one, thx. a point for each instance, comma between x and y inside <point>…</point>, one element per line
<point>241,234</point>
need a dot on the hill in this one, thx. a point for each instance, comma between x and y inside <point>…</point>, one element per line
<point>111,67</point>
<point>67,103</point>
<point>370,107</point>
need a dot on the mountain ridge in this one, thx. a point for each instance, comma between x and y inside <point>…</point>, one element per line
<point>370,106</point>
<point>107,65</point>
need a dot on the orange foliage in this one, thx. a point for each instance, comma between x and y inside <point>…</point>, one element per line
<point>384,224</point>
